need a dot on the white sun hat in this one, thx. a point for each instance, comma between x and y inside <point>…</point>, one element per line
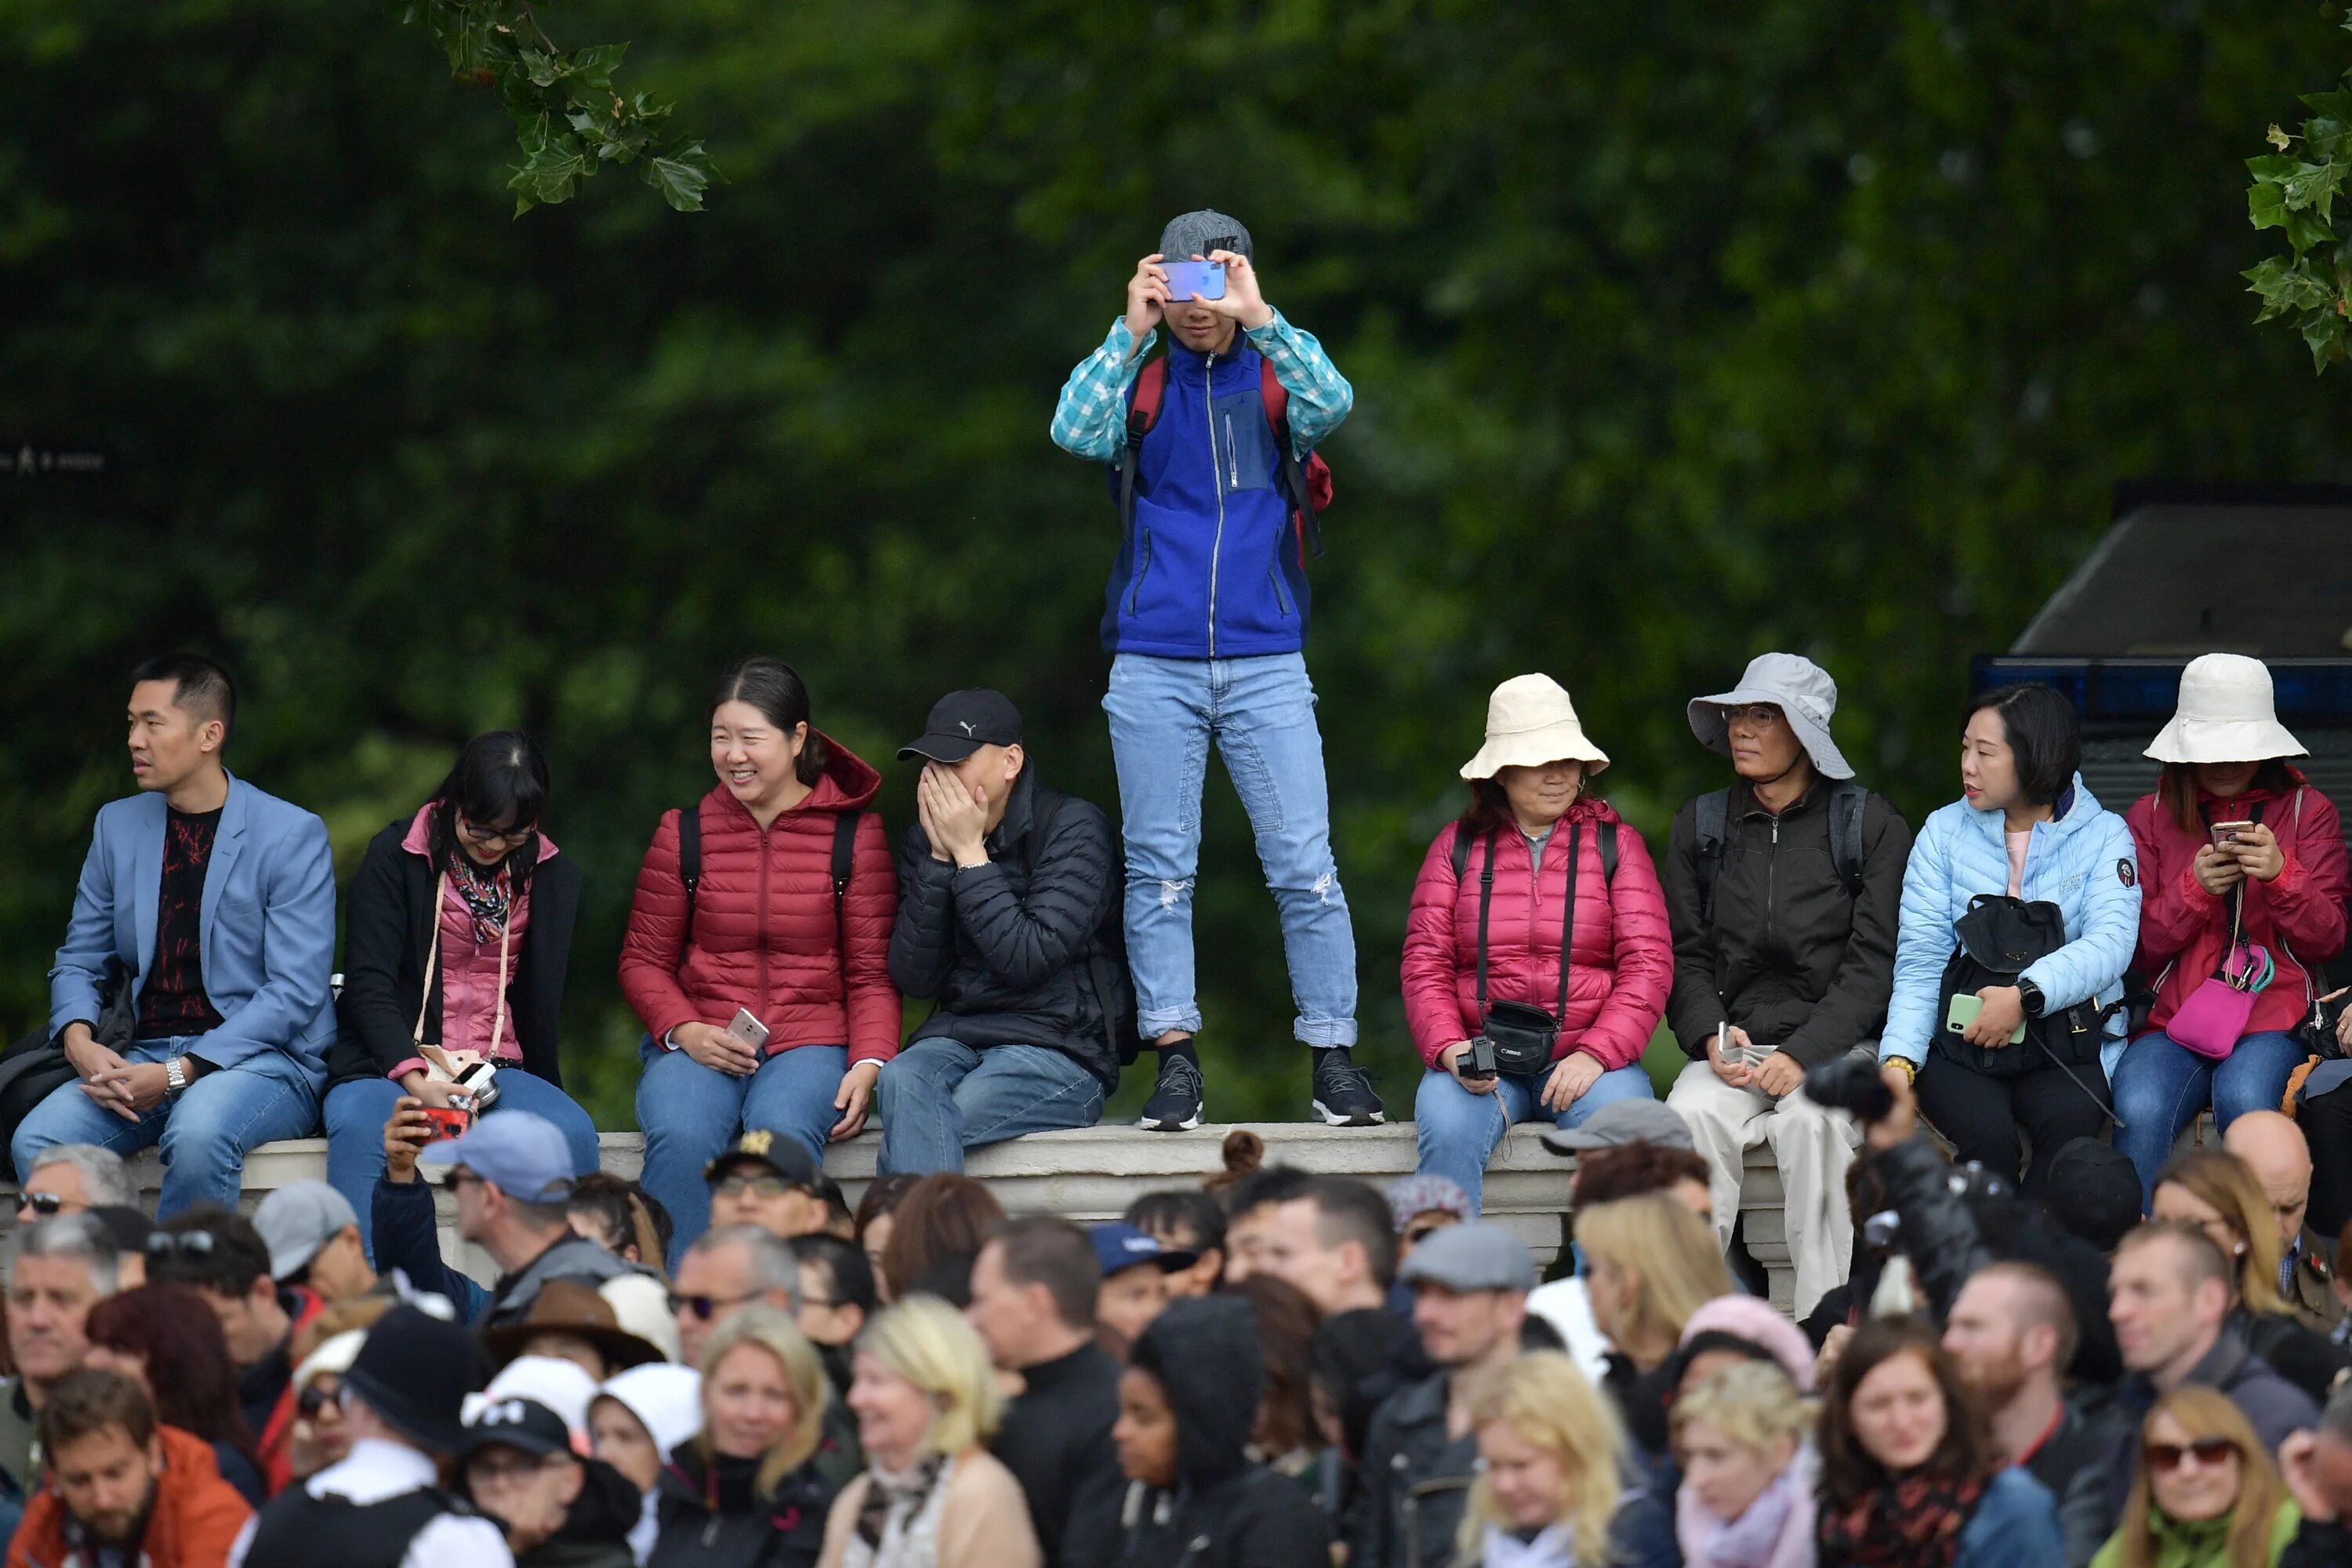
<point>2226,714</point>
<point>1529,722</point>
<point>1802,692</point>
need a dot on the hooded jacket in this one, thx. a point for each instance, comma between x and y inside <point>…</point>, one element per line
<point>195,1519</point>
<point>2082,859</point>
<point>2275,1407</point>
<point>762,936</point>
<point>1623,952</point>
<point>1226,1511</point>
<point>1004,947</point>
<point>744,1529</point>
<point>2299,916</point>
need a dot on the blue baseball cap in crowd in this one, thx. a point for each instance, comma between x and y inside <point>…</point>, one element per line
<point>1120,1246</point>
<point>521,1154</point>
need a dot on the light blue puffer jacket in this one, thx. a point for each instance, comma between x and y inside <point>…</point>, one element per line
<point>2084,861</point>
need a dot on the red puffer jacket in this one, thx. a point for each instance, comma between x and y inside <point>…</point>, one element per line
<point>764,936</point>
<point>2183,925</point>
<point>1624,955</point>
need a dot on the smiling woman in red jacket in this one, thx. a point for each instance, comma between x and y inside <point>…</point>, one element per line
<point>1481,961</point>
<point>766,932</point>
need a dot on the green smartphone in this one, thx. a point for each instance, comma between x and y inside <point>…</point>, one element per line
<point>1965,1008</point>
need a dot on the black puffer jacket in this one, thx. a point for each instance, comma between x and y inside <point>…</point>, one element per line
<point>1003,948</point>
<point>1788,956</point>
<point>1225,1511</point>
<point>596,1532</point>
<point>745,1530</point>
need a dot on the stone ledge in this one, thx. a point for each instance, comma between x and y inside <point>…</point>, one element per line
<point>1093,1173</point>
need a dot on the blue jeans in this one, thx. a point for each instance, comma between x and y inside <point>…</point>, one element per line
<point>1260,714</point>
<point>691,1113</point>
<point>2159,1087</point>
<point>205,1131</point>
<point>1458,1131</point>
<point>941,1097</point>
<point>356,1112</point>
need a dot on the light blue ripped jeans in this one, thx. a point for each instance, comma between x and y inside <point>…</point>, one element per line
<point>1260,714</point>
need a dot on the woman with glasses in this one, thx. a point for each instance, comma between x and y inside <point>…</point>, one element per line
<point>457,931</point>
<point>746,1489</point>
<point>2206,1496</point>
<point>167,1338</point>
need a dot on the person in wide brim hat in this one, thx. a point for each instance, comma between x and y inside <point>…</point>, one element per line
<point>1530,721</point>
<point>2226,713</point>
<point>1802,692</point>
<point>572,1309</point>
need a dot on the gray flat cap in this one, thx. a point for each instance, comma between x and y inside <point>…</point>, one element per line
<point>1473,1257</point>
<point>1623,1121</point>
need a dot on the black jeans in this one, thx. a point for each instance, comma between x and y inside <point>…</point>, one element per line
<point>1984,1117</point>
<point>2326,1123</point>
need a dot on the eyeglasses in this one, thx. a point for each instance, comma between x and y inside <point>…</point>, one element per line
<point>321,1392</point>
<point>181,1243</point>
<point>2207,1451</point>
<point>1755,715</point>
<point>485,836</point>
<point>45,1204</point>
<point>705,1308</point>
<point>768,1186</point>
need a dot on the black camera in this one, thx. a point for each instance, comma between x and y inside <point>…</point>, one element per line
<point>1481,1063</point>
<point>1851,1083</point>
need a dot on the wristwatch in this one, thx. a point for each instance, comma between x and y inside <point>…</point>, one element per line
<point>175,1075</point>
<point>2030,998</point>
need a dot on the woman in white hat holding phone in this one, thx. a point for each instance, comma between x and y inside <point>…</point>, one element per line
<point>1537,956</point>
<point>2237,850</point>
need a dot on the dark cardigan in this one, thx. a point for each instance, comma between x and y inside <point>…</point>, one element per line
<point>387,931</point>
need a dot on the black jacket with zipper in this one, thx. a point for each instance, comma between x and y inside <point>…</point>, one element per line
<point>1003,948</point>
<point>785,1530</point>
<point>388,931</point>
<point>1417,1481</point>
<point>1056,1441</point>
<point>1788,956</point>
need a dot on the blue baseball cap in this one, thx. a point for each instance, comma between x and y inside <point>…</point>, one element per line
<point>1120,1246</point>
<point>521,1154</point>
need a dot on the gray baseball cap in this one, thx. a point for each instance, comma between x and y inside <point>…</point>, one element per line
<point>1199,233</point>
<point>1623,1121</point>
<point>296,1220</point>
<point>1474,1256</point>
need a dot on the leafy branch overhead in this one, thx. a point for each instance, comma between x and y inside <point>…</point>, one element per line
<point>2295,189</point>
<point>570,119</point>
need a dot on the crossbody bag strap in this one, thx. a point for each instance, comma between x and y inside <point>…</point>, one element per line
<point>506,947</point>
<point>432,958</point>
<point>1486,903</point>
<point>1568,923</point>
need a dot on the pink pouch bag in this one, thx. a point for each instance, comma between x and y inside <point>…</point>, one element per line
<point>2214,1018</point>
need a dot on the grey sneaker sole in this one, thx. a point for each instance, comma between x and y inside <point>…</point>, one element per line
<point>1335,1119</point>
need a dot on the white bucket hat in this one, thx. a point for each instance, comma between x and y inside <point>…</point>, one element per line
<point>1802,692</point>
<point>2226,714</point>
<point>1529,722</point>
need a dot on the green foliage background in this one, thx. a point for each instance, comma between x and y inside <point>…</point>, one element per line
<point>1677,333</point>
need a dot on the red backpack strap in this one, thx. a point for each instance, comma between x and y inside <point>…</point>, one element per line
<point>1299,479</point>
<point>1143,401</point>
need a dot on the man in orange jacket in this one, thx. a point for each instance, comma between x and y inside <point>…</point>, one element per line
<point>123,1489</point>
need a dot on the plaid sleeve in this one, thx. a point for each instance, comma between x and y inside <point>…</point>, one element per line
<point>1090,419</point>
<point>1320,396</point>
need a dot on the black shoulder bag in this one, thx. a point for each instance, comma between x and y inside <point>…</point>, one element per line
<point>1522,1033</point>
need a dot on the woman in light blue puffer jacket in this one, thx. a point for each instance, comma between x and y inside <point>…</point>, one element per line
<point>2027,826</point>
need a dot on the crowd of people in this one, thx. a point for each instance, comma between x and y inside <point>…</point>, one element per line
<point>2036,1324</point>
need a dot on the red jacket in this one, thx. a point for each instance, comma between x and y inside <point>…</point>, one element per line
<point>1624,955</point>
<point>764,936</point>
<point>196,1518</point>
<point>2183,925</point>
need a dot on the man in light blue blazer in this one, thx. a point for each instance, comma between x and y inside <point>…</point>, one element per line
<point>218,900</point>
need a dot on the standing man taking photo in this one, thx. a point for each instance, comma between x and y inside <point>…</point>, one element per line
<point>1205,618</point>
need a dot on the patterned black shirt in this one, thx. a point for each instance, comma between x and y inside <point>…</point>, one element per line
<point>173,1002</point>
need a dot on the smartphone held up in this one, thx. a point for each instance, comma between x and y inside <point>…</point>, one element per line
<point>1195,279</point>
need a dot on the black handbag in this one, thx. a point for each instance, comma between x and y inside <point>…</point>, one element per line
<point>1999,939</point>
<point>36,1067</point>
<point>1523,1034</point>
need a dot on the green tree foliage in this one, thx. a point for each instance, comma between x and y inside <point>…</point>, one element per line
<point>1677,334</point>
<point>2294,190</point>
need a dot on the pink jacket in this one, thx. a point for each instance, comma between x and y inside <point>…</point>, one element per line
<point>2183,925</point>
<point>1624,955</point>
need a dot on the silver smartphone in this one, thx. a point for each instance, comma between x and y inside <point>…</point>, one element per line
<point>748,1030</point>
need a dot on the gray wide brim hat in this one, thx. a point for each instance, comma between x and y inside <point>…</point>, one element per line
<point>1803,692</point>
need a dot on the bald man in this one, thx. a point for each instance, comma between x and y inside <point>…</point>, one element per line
<point>2273,1147</point>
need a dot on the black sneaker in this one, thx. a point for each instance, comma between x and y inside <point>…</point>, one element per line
<point>1343,1094</point>
<point>1175,1102</point>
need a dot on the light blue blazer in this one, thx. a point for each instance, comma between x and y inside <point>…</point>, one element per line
<point>268,928</point>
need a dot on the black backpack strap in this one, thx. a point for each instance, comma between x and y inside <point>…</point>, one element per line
<point>1608,854</point>
<point>1846,801</point>
<point>1568,907</point>
<point>844,850</point>
<point>1485,903</point>
<point>1714,823</point>
<point>1461,852</point>
<point>690,859</point>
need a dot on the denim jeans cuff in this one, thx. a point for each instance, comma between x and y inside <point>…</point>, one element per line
<point>1324,1032</point>
<point>1151,1026</point>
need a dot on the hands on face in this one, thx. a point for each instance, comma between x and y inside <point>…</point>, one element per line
<point>955,818</point>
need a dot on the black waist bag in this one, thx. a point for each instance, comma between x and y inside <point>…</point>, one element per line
<point>2000,938</point>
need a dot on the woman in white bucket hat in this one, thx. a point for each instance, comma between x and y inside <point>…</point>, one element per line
<point>1566,1042</point>
<point>2233,840</point>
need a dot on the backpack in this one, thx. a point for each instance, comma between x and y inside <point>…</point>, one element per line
<point>1308,484</point>
<point>1846,800</point>
<point>689,864</point>
<point>1106,969</point>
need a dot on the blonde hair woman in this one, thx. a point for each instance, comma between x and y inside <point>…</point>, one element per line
<point>1744,1438</point>
<point>2207,1495</point>
<point>926,1402</point>
<point>1649,1264</point>
<point>1553,1488</point>
<point>2217,1192</point>
<point>743,1489</point>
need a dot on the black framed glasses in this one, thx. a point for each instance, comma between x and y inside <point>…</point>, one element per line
<point>45,1204</point>
<point>181,1243</point>
<point>506,838</point>
<point>705,1308</point>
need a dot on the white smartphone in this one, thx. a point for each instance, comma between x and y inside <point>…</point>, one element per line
<point>748,1030</point>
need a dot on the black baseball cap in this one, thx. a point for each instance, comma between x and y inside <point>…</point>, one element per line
<point>961,722</point>
<point>781,1152</point>
<point>521,1424</point>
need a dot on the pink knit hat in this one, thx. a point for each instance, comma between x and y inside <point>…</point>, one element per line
<point>1754,1320</point>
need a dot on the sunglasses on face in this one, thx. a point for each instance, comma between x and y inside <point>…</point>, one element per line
<point>322,1392</point>
<point>2207,1451</point>
<point>705,1308</point>
<point>184,1243</point>
<point>45,1204</point>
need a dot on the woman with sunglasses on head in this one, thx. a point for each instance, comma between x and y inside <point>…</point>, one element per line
<point>2207,1495</point>
<point>457,933</point>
